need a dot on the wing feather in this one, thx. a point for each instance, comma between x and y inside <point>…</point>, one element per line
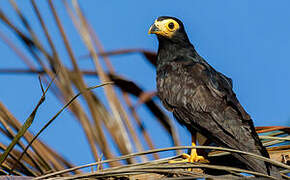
<point>202,99</point>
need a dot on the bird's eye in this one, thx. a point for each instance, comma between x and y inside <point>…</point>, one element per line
<point>171,25</point>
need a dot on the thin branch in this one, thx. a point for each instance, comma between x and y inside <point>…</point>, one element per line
<point>54,117</point>
<point>113,101</point>
<point>88,97</point>
<point>168,149</point>
<point>166,169</point>
<point>25,126</point>
<point>275,138</point>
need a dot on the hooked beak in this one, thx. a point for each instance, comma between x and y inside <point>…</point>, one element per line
<point>153,29</point>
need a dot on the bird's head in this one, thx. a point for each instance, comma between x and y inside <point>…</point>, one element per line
<point>166,27</point>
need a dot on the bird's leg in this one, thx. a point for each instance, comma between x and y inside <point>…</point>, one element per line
<point>193,157</point>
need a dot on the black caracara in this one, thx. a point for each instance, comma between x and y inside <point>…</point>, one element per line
<point>202,98</point>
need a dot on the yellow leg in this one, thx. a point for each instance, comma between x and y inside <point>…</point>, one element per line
<point>193,154</point>
<point>193,157</point>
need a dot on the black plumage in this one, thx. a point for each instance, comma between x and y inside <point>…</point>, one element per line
<point>202,98</point>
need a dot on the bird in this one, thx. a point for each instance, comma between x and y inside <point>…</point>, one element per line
<point>202,99</point>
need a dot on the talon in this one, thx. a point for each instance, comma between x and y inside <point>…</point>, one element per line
<point>189,159</point>
<point>197,158</point>
<point>185,156</point>
<point>192,158</point>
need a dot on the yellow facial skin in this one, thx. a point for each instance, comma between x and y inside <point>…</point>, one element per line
<point>166,27</point>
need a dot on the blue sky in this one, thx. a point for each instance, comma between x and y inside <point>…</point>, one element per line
<point>246,40</point>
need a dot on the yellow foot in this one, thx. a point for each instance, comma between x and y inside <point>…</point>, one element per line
<point>194,158</point>
<point>189,159</point>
